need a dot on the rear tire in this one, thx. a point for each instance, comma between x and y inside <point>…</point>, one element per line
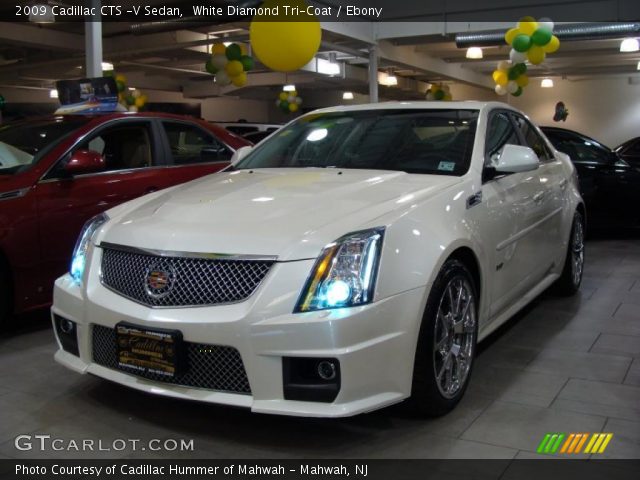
<point>571,277</point>
<point>446,343</point>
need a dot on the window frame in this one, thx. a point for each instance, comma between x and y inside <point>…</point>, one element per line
<point>550,149</point>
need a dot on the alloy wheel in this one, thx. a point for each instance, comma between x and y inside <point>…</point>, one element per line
<point>577,251</point>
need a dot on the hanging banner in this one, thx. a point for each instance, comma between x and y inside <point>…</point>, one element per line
<point>87,96</point>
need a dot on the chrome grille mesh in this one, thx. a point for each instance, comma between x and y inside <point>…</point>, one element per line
<point>212,367</point>
<point>194,281</point>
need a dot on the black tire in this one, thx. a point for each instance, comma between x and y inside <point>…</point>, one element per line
<point>571,277</point>
<point>5,296</point>
<point>428,396</point>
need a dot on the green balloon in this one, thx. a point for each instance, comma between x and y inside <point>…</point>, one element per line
<point>439,95</point>
<point>107,73</point>
<point>284,106</point>
<point>541,36</point>
<point>521,43</point>
<point>210,67</point>
<point>121,86</point>
<point>247,63</point>
<point>518,92</point>
<point>130,99</point>
<point>513,73</point>
<point>521,68</point>
<point>233,52</point>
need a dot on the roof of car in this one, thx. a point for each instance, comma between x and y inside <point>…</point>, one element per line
<point>466,105</point>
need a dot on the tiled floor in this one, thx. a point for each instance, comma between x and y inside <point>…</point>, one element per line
<point>562,365</point>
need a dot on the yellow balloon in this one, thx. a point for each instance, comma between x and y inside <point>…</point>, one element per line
<point>510,35</point>
<point>293,94</point>
<point>500,77</point>
<point>234,68</point>
<point>522,80</point>
<point>218,49</point>
<point>535,55</point>
<point>243,49</point>
<point>239,80</point>
<point>284,96</point>
<point>285,46</point>
<point>293,107</point>
<point>121,78</point>
<point>447,97</point>
<point>527,27</point>
<point>140,101</point>
<point>552,46</point>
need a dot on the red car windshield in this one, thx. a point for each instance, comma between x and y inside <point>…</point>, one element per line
<point>24,144</point>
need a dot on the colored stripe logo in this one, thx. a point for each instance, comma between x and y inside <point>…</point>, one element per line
<point>573,443</point>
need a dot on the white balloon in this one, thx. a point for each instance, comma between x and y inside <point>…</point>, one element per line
<point>430,96</point>
<point>278,102</point>
<point>517,57</point>
<point>512,87</point>
<point>222,78</point>
<point>291,99</point>
<point>219,61</point>
<point>136,93</point>
<point>504,65</point>
<point>500,90</point>
<point>299,100</point>
<point>546,23</point>
<point>133,108</point>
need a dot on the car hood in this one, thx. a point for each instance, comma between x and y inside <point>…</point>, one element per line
<point>288,213</point>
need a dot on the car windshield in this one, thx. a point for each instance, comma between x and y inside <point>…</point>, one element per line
<point>437,141</point>
<point>24,144</point>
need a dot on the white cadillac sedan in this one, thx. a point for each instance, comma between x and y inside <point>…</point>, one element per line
<point>349,262</point>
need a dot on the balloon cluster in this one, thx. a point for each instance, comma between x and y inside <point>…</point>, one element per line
<point>289,102</point>
<point>229,64</point>
<point>132,100</point>
<point>561,112</point>
<point>510,78</point>
<point>531,40</point>
<point>438,91</point>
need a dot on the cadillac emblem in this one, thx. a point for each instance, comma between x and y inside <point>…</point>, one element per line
<point>159,281</point>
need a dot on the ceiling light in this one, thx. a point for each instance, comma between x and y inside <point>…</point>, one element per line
<point>474,53</point>
<point>347,96</point>
<point>53,93</point>
<point>327,67</point>
<point>106,66</point>
<point>226,44</point>
<point>638,65</point>
<point>289,88</point>
<point>42,13</point>
<point>546,83</point>
<point>392,80</point>
<point>629,45</point>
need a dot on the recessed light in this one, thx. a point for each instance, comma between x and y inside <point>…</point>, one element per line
<point>546,83</point>
<point>474,53</point>
<point>347,96</point>
<point>629,45</point>
<point>106,66</point>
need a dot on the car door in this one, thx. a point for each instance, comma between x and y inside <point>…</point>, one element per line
<point>192,150</point>
<point>630,152</point>
<point>65,203</point>
<point>504,217</point>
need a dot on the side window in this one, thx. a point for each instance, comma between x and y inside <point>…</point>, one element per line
<point>124,147</point>
<point>499,133</point>
<point>533,139</point>
<point>191,144</point>
<point>581,149</point>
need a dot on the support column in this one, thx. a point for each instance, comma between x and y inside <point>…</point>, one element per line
<point>93,41</point>
<point>373,74</point>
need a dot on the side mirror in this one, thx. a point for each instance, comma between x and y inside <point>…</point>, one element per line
<point>85,161</point>
<point>240,154</point>
<point>517,158</point>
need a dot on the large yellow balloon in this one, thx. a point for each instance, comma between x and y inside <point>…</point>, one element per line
<point>239,80</point>
<point>510,35</point>
<point>285,46</point>
<point>536,55</point>
<point>527,27</point>
<point>552,46</point>
<point>500,77</point>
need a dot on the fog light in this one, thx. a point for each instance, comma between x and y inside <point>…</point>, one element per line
<point>67,334</point>
<point>326,370</point>
<point>66,326</point>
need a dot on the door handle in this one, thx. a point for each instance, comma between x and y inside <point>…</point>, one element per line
<point>538,197</point>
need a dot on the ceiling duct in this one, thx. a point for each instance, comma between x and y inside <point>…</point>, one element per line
<point>578,31</point>
<point>186,23</point>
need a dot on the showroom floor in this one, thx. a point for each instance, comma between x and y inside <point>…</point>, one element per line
<point>563,365</point>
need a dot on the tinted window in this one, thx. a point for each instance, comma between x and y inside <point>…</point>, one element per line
<point>241,130</point>
<point>533,139</point>
<point>501,132</point>
<point>24,144</point>
<point>580,149</point>
<point>191,144</point>
<point>415,141</point>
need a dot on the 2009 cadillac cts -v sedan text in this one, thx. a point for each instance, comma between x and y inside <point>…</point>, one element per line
<point>349,262</point>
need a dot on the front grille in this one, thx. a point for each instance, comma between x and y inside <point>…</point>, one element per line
<point>213,367</point>
<point>185,281</point>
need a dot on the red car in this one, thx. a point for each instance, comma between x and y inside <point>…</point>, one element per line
<point>57,172</point>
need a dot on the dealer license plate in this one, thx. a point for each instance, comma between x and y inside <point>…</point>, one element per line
<point>145,351</point>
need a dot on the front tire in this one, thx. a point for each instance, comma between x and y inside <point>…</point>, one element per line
<point>446,343</point>
<point>571,276</point>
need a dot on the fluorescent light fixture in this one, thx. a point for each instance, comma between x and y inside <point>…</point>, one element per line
<point>41,13</point>
<point>226,44</point>
<point>326,67</point>
<point>629,45</point>
<point>106,66</point>
<point>474,53</point>
<point>392,80</point>
<point>546,83</point>
<point>53,93</point>
<point>347,96</point>
<point>289,88</point>
<point>638,65</point>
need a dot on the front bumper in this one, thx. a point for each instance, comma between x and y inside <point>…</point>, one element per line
<point>375,344</point>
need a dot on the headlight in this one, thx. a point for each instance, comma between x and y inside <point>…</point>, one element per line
<point>79,257</point>
<point>345,273</point>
